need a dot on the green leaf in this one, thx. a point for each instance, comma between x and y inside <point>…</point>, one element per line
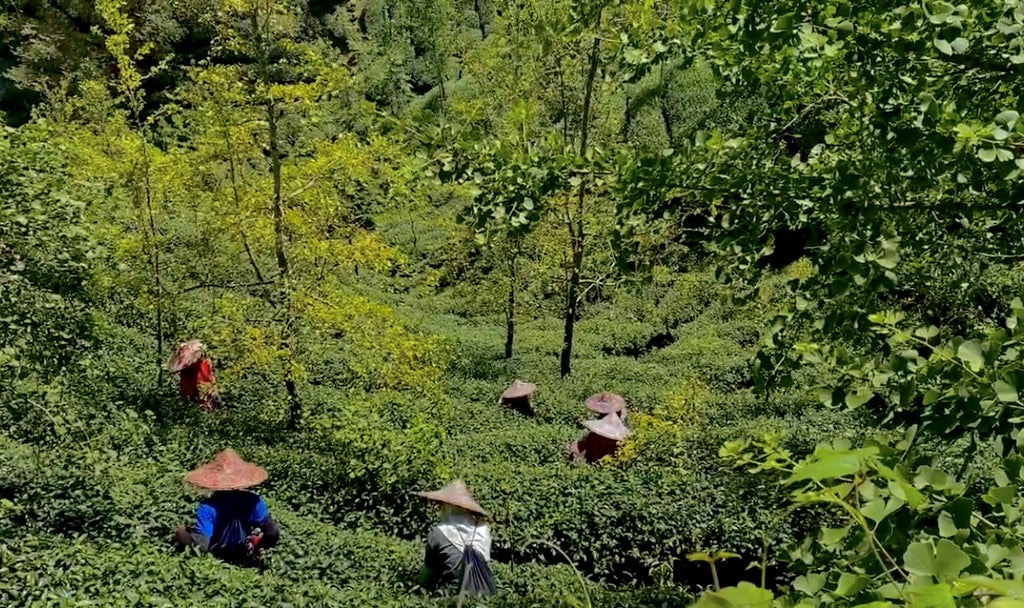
<point>744,595</point>
<point>889,260</point>
<point>809,584</point>
<point>946,526</point>
<point>970,353</point>
<point>1008,119</point>
<point>987,154</point>
<point>833,536</point>
<point>1006,392</point>
<point>874,510</point>
<point>919,558</point>
<point>959,45</point>
<point>932,596</point>
<point>950,560</point>
<point>855,400</point>
<point>826,464</point>
<point>1003,495</point>
<point>943,46</point>
<point>784,23</point>
<point>940,12</point>
<point>851,584</point>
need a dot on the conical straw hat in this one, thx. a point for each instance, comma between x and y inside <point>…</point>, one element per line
<point>518,390</point>
<point>455,493</point>
<point>227,471</point>
<point>185,355</point>
<point>609,426</point>
<point>605,403</point>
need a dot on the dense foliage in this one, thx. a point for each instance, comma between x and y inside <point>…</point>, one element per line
<point>787,232</point>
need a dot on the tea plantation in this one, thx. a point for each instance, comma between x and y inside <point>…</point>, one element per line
<point>91,482</point>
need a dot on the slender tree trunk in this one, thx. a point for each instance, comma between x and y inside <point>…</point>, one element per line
<point>154,249</point>
<point>278,202</point>
<point>238,201</point>
<point>277,206</point>
<point>665,117</point>
<point>480,18</point>
<point>571,302</point>
<point>510,311</point>
<point>576,224</point>
<point>294,404</point>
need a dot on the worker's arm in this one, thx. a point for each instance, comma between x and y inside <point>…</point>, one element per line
<point>433,560</point>
<point>202,531</point>
<point>261,517</point>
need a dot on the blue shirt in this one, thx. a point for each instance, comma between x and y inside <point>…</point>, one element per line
<point>216,514</point>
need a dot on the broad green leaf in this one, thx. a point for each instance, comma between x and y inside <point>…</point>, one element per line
<point>989,586</point>
<point>809,584</point>
<point>947,527</point>
<point>826,464</point>
<point>784,23</point>
<point>1003,495</point>
<point>889,260</point>
<point>940,12</point>
<point>919,558</point>
<point>851,584</point>
<point>1008,119</point>
<point>970,353</point>
<point>932,596</point>
<point>950,560</point>
<point>855,400</point>
<point>833,536</point>
<point>744,595</point>
<point>943,46</point>
<point>1005,392</point>
<point>874,510</point>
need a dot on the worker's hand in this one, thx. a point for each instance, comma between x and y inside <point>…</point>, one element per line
<point>182,536</point>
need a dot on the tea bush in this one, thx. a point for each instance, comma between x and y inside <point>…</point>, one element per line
<point>92,480</point>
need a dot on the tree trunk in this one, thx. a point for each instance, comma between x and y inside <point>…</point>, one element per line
<point>510,312</point>
<point>571,302</point>
<point>665,117</point>
<point>480,18</point>
<point>230,150</point>
<point>294,404</point>
<point>154,249</point>
<point>575,224</point>
<point>277,206</point>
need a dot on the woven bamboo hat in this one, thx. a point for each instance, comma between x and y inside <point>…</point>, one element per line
<point>455,493</point>
<point>605,403</point>
<point>518,390</point>
<point>227,471</point>
<point>610,427</point>
<point>186,354</point>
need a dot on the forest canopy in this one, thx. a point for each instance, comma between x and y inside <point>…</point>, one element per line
<point>786,232</point>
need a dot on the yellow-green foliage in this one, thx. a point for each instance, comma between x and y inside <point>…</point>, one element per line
<point>676,415</point>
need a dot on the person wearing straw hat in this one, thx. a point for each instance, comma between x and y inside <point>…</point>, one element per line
<point>602,439</point>
<point>517,397</point>
<point>196,383</point>
<point>607,403</point>
<point>459,547</point>
<point>232,522</point>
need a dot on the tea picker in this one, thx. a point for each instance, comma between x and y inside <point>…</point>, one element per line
<point>196,383</point>
<point>517,397</point>
<point>605,404</point>
<point>232,522</point>
<point>459,547</point>
<point>601,440</point>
